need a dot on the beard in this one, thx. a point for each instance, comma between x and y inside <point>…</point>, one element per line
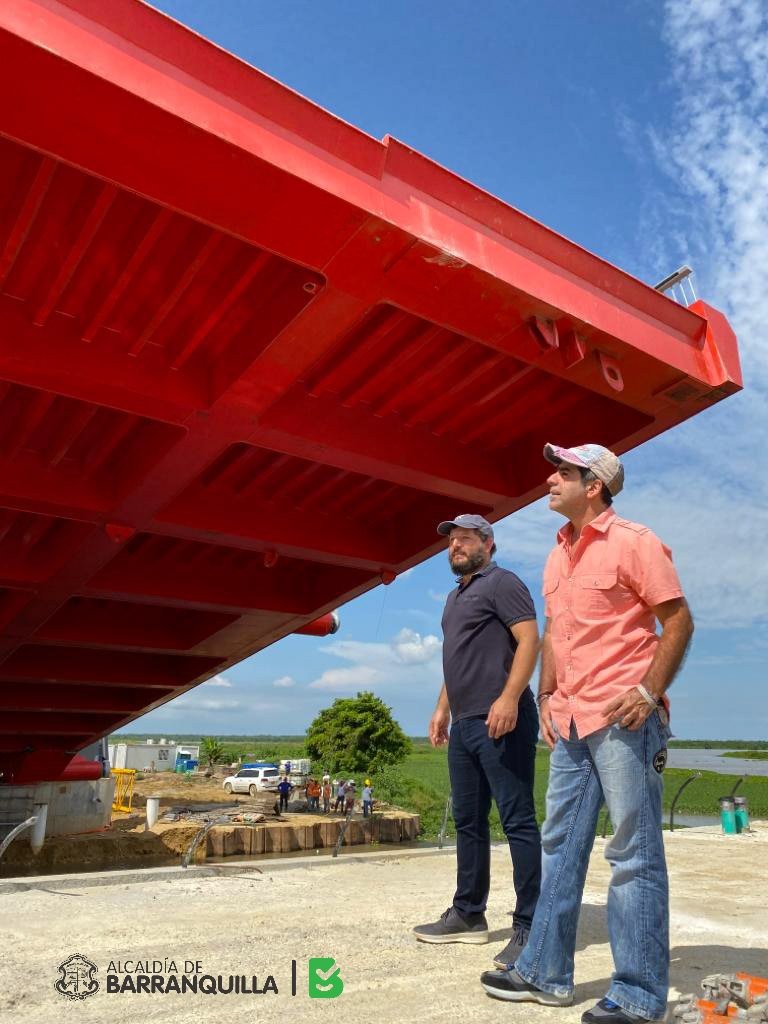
<point>467,564</point>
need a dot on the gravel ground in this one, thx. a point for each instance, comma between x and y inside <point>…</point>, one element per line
<point>358,910</point>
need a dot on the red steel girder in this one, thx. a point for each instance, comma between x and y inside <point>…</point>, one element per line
<point>240,341</point>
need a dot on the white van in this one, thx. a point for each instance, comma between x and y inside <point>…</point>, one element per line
<point>253,781</point>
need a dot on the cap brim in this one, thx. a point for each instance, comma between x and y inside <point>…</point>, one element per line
<point>555,454</point>
<point>445,528</point>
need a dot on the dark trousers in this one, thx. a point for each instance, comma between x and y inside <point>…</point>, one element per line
<point>283,801</point>
<point>482,769</point>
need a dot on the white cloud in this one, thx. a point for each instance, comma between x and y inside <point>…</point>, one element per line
<point>349,680</point>
<point>438,596</point>
<point>719,152</point>
<point>413,649</point>
<point>217,681</point>
<point>408,660</point>
<point>284,681</point>
<point>711,500</point>
<point>357,650</point>
<point>192,702</point>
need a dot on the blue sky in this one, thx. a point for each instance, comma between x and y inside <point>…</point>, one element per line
<point>639,130</point>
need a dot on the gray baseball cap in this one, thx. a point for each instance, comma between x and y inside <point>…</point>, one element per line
<point>467,521</point>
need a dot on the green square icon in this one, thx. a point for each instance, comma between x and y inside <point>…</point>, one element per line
<point>324,978</point>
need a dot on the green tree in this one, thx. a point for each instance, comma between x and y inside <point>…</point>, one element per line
<point>357,734</point>
<point>213,751</point>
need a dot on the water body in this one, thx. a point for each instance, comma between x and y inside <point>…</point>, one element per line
<point>712,761</point>
<point>692,820</point>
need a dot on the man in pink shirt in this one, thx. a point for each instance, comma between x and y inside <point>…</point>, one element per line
<point>604,715</point>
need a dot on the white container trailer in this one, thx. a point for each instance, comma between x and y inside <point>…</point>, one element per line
<point>143,757</point>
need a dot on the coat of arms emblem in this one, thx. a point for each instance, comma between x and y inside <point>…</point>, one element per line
<point>77,977</point>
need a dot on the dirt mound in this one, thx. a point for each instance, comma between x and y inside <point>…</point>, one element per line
<point>182,789</point>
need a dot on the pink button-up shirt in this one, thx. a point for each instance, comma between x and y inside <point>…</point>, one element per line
<point>598,596</point>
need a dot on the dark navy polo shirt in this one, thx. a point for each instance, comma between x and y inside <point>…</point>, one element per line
<point>478,646</point>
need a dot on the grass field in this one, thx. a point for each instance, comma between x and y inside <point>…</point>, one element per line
<point>425,788</point>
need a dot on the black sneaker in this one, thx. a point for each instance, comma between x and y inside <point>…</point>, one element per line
<point>454,927</point>
<point>509,985</point>
<point>608,1012</point>
<point>506,958</point>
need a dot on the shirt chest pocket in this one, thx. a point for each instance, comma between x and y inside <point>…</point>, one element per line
<point>602,592</point>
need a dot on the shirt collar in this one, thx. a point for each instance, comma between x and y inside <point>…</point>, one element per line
<point>599,524</point>
<point>480,572</point>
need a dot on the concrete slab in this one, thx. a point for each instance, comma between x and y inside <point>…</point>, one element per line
<point>358,909</point>
<point>139,876</point>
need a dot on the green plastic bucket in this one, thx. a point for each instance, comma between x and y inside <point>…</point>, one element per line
<point>741,810</point>
<point>728,815</point>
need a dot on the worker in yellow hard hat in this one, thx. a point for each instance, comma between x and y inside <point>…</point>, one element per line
<point>367,797</point>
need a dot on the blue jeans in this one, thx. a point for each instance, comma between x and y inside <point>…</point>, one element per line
<point>480,769</point>
<point>615,765</point>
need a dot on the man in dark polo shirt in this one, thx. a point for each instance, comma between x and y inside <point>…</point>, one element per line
<point>491,643</point>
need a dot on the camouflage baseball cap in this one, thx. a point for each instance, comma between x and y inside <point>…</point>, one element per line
<point>602,462</point>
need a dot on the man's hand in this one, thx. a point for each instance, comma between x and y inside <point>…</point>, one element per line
<point>438,727</point>
<point>630,710</point>
<point>502,718</point>
<point>548,733</point>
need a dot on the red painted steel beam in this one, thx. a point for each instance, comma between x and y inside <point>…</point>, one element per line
<point>176,108</point>
<point>122,624</point>
<point>44,359</point>
<point>200,575</point>
<point>216,410</point>
<point>82,699</point>
<point>414,458</point>
<point>53,723</point>
<point>55,664</point>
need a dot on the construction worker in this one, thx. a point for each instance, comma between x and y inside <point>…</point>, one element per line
<point>367,798</point>
<point>284,788</point>
<point>326,794</point>
<point>341,789</point>
<point>349,796</point>
<point>490,650</point>
<point>604,716</point>
<point>313,795</point>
